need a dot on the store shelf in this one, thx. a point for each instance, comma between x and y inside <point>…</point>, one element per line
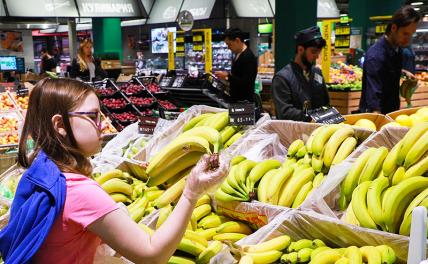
<point>215,98</point>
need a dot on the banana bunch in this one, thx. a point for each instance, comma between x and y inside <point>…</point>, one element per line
<point>282,249</point>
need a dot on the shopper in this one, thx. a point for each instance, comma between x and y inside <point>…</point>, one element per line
<point>383,64</point>
<point>300,86</point>
<point>59,214</point>
<point>244,68</point>
<point>47,62</point>
<point>86,67</point>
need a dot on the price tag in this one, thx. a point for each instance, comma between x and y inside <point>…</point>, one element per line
<point>242,114</point>
<point>326,115</point>
<point>22,91</point>
<point>147,125</point>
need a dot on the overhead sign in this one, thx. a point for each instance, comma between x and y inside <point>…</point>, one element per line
<point>200,9</point>
<point>42,8</point>
<point>108,8</point>
<point>252,8</point>
<point>164,11</point>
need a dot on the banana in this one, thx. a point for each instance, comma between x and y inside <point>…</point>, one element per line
<point>171,194</point>
<point>278,243</point>
<point>176,165</point>
<point>311,139</point>
<point>264,186</point>
<point>137,212</point>
<point>387,254</point>
<point>316,243</point>
<point>302,194</point>
<point>333,144</point>
<point>374,203</point>
<point>236,160</point>
<point>265,257</point>
<point>213,249</point>
<point>277,181</point>
<point>190,247</point>
<point>116,173</point>
<point>371,255</point>
<point>417,151</point>
<point>418,169</point>
<point>192,235</point>
<point>326,256</point>
<point>289,162</point>
<point>398,176</point>
<point>243,170</point>
<point>205,199</point>
<point>304,255</point>
<point>317,251</point>
<point>233,237</point>
<point>398,200</point>
<point>180,260</point>
<point>293,186</point>
<point>208,133</point>
<point>317,163</point>
<point>345,150</point>
<point>351,180</point>
<point>208,233</point>
<point>259,170</point>
<point>210,221</point>
<point>225,187</point>
<point>410,140</point>
<point>420,200</point>
<point>200,212</point>
<point>246,260</point>
<point>234,227</point>
<point>120,198</point>
<point>195,120</point>
<point>219,121</point>
<point>164,212</point>
<point>359,205</point>
<point>301,152</point>
<point>116,185</point>
<point>147,229</point>
<point>307,159</point>
<point>225,197</point>
<point>294,147</point>
<point>153,195</point>
<point>373,165</point>
<point>354,255</point>
<point>319,178</point>
<point>300,244</point>
<point>290,258</point>
<point>227,132</point>
<point>233,139</point>
<point>321,137</point>
<point>390,162</point>
<point>350,217</point>
<point>231,185</point>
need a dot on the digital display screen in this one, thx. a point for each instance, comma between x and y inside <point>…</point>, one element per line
<point>8,63</point>
<point>160,39</point>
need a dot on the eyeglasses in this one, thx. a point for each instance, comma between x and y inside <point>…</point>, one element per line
<point>94,116</point>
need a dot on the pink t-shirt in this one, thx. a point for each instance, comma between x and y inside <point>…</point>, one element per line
<point>69,241</point>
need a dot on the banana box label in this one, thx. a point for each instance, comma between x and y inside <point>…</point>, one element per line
<point>256,218</point>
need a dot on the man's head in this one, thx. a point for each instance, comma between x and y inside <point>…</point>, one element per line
<point>402,26</point>
<point>309,44</point>
<point>234,39</point>
<point>43,52</point>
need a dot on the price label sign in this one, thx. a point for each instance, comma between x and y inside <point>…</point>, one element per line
<point>326,115</point>
<point>147,125</point>
<point>22,91</point>
<point>242,114</point>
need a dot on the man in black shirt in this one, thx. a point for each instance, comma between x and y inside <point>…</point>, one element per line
<point>47,63</point>
<point>244,68</point>
<point>300,86</point>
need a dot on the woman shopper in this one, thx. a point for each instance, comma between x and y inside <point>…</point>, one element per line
<point>59,214</point>
<point>86,67</point>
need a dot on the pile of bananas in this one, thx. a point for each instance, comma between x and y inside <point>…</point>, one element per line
<point>382,188</point>
<point>313,251</point>
<point>289,184</point>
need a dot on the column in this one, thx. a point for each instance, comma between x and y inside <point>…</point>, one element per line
<point>72,37</point>
<point>107,36</point>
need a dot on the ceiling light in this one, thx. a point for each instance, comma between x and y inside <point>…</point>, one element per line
<point>417,3</point>
<point>417,8</point>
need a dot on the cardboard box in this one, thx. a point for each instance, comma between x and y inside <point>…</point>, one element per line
<point>406,111</point>
<point>379,119</point>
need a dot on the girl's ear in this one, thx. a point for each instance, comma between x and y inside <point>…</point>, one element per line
<point>58,125</point>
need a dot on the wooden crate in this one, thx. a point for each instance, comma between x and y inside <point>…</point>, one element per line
<point>346,101</point>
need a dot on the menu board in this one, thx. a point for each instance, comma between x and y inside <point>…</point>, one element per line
<point>42,8</point>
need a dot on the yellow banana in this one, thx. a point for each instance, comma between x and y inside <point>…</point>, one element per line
<point>265,257</point>
<point>278,243</point>
<point>206,132</point>
<point>407,221</point>
<point>192,235</point>
<point>208,233</point>
<point>351,180</point>
<point>342,260</point>
<point>301,152</point>
<point>317,251</point>
<point>417,151</point>
<point>304,255</point>
<point>418,169</point>
<point>265,186</point>
<point>246,260</point>
<point>289,162</point>
<point>321,137</point>
<point>326,256</point>
<point>120,198</point>
<point>201,211</point>
<point>410,140</point>
<point>354,255</point>
<point>420,200</point>
<point>317,163</point>
<point>293,186</point>
<point>398,176</point>
<point>138,210</point>
<point>277,181</point>
<point>213,249</point>
<point>180,260</point>
<point>350,217</point>
<point>227,132</point>
<point>370,255</point>
<point>374,203</point>
<point>359,205</point>
<point>333,144</point>
<point>171,194</point>
<point>345,150</point>
<point>233,139</point>
<point>319,178</point>
<point>153,195</point>
<point>210,221</point>
<point>116,173</point>
<point>311,139</point>
<point>236,160</point>
<point>116,185</point>
<point>259,170</point>
<point>316,243</point>
<point>196,120</point>
<point>219,121</point>
<point>373,165</point>
<point>294,147</point>
<point>243,170</point>
<point>225,186</point>
<point>390,162</point>
<point>234,227</point>
<point>164,212</point>
<point>190,247</point>
<point>302,194</point>
<point>233,237</point>
<point>205,199</point>
<point>387,254</point>
<point>232,184</point>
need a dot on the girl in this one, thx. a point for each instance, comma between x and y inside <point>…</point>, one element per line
<point>86,67</point>
<point>60,215</point>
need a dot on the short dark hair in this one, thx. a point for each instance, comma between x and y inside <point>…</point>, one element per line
<point>318,43</point>
<point>234,33</point>
<point>403,17</point>
<point>43,50</point>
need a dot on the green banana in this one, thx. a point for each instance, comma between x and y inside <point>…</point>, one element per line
<point>225,197</point>
<point>120,198</point>
<point>317,163</point>
<point>200,212</point>
<point>227,132</point>
<point>387,254</point>
<point>196,120</point>
<point>236,160</point>
<point>190,247</point>
<point>290,258</point>
<point>219,121</point>
<point>299,245</point>
<point>164,212</point>
<point>259,170</point>
<point>301,152</point>
<point>233,139</point>
<point>180,260</point>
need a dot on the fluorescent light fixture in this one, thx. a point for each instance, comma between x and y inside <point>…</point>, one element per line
<point>134,22</point>
<point>422,30</point>
<point>417,8</point>
<point>417,3</point>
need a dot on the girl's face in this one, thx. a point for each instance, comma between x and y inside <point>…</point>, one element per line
<point>86,125</point>
<point>87,49</point>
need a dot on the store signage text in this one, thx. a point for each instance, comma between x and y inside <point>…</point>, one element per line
<point>53,6</point>
<point>108,8</point>
<point>196,12</point>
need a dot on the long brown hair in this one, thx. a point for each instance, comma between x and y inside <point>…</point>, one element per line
<point>81,56</point>
<point>48,98</point>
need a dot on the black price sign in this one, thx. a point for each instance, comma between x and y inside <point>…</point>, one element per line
<point>22,91</point>
<point>326,115</point>
<point>147,125</point>
<point>242,114</point>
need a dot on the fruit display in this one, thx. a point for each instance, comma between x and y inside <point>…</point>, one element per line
<point>420,116</point>
<point>134,146</point>
<point>105,92</point>
<point>126,117</point>
<point>131,89</point>
<point>114,103</point>
<point>141,101</point>
<point>167,105</point>
<point>146,112</point>
<point>344,77</point>
<point>8,123</point>
<point>9,139</point>
<point>21,101</point>
<point>283,250</point>
<point>383,186</point>
<point>5,102</point>
<point>289,184</point>
<point>422,76</point>
<point>365,123</point>
<point>154,88</point>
